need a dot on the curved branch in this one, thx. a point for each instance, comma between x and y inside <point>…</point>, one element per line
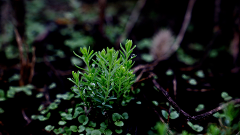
<point>189,117</point>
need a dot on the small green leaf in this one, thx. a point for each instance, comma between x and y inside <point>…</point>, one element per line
<point>53,106</point>
<point>52,85</point>
<point>49,128</point>
<point>169,72</point>
<point>40,107</point>
<point>199,108</point>
<point>190,123</point>
<point>119,131</point>
<point>62,122</point>
<point>200,74</point>
<point>44,111</point>
<point>92,124</point>
<point>69,117</point>
<point>165,114</point>
<point>116,116</point>
<point>1,110</point>
<point>95,132</point>
<point>119,123</point>
<point>174,115</point>
<point>39,95</point>
<point>125,115</point>
<point>224,94</point>
<point>83,119</point>
<point>147,57</point>
<point>42,118</point>
<point>108,132</point>
<point>185,77</point>
<point>34,117</point>
<point>139,102</point>
<point>73,128</point>
<point>81,129</point>
<point>155,103</point>
<point>103,125</point>
<point>193,81</point>
<point>58,131</point>
<point>197,128</point>
<point>48,115</point>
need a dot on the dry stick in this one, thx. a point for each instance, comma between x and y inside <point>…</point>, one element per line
<point>132,19</point>
<point>102,6</point>
<point>32,64</point>
<point>201,116</point>
<point>22,60</point>
<point>179,38</point>
<point>183,29</point>
<point>25,116</point>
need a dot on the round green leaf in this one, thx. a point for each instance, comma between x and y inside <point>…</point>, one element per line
<point>224,94</point>
<point>62,122</point>
<point>69,117</point>
<point>197,128</point>
<point>49,128</point>
<point>108,132</point>
<point>169,72</point>
<point>44,111</point>
<point>119,123</point>
<point>58,131</point>
<point>95,132</point>
<point>83,119</point>
<point>73,128</point>
<point>34,117</point>
<point>92,124</point>
<point>174,115</point>
<point>53,106</point>
<point>155,103</point>
<point>200,74</point>
<point>119,131</point>
<point>81,129</point>
<point>103,125</point>
<point>116,116</point>
<point>138,102</point>
<point>193,81</point>
<point>165,114</point>
<point>1,110</point>
<point>185,77</point>
<point>125,115</point>
<point>199,108</point>
<point>42,118</point>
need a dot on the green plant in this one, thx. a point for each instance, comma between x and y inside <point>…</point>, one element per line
<point>107,78</point>
<point>102,88</point>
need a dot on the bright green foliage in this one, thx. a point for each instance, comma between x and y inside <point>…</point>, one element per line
<point>161,128</point>
<point>213,130</point>
<point>105,83</point>
<point>107,78</point>
<point>14,89</point>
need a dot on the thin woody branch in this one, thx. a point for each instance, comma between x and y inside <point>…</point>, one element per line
<point>189,117</point>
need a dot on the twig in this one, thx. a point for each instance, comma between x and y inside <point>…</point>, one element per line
<point>102,6</point>
<point>133,19</point>
<point>32,64</point>
<point>183,29</point>
<point>21,55</point>
<point>201,116</point>
<point>175,87</point>
<point>25,117</point>
<point>178,40</point>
